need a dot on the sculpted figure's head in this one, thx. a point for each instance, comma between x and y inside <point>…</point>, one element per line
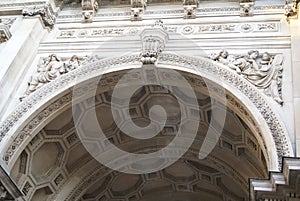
<point>253,54</point>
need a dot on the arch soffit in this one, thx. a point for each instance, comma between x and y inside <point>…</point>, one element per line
<point>31,115</point>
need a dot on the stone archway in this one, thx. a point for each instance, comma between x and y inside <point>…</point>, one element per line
<point>35,113</point>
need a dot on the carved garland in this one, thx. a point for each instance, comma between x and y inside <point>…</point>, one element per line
<point>276,128</point>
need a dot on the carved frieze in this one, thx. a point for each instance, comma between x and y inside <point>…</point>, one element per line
<point>184,29</point>
<point>45,11</point>
<point>262,70</point>
<point>52,67</point>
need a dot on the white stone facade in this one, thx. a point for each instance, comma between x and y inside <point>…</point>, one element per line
<point>48,46</point>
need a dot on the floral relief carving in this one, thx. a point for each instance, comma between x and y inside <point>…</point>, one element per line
<point>262,70</point>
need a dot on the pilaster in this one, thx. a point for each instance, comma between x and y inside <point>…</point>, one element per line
<point>295,49</point>
<point>16,57</point>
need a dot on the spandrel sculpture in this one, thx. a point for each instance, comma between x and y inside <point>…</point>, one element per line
<point>262,70</point>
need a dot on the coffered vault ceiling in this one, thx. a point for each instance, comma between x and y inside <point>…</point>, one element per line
<point>55,156</point>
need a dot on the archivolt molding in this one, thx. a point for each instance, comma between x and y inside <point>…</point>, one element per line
<point>20,127</point>
<point>34,101</point>
<point>276,127</point>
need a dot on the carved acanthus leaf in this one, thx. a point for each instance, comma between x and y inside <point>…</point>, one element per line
<point>262,70</point>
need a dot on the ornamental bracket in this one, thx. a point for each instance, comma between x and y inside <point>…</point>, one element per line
<point>291,9</point>
<point>89,9</point>
<point>137,8</point>
<point>246,8</point>
<point>154,40</point>
<point>190,8</point>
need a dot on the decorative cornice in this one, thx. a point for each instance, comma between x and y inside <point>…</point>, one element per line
<point>20,5</point>
<point>282,185</point>
<point>45,11</point>
<point>158,14</point>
